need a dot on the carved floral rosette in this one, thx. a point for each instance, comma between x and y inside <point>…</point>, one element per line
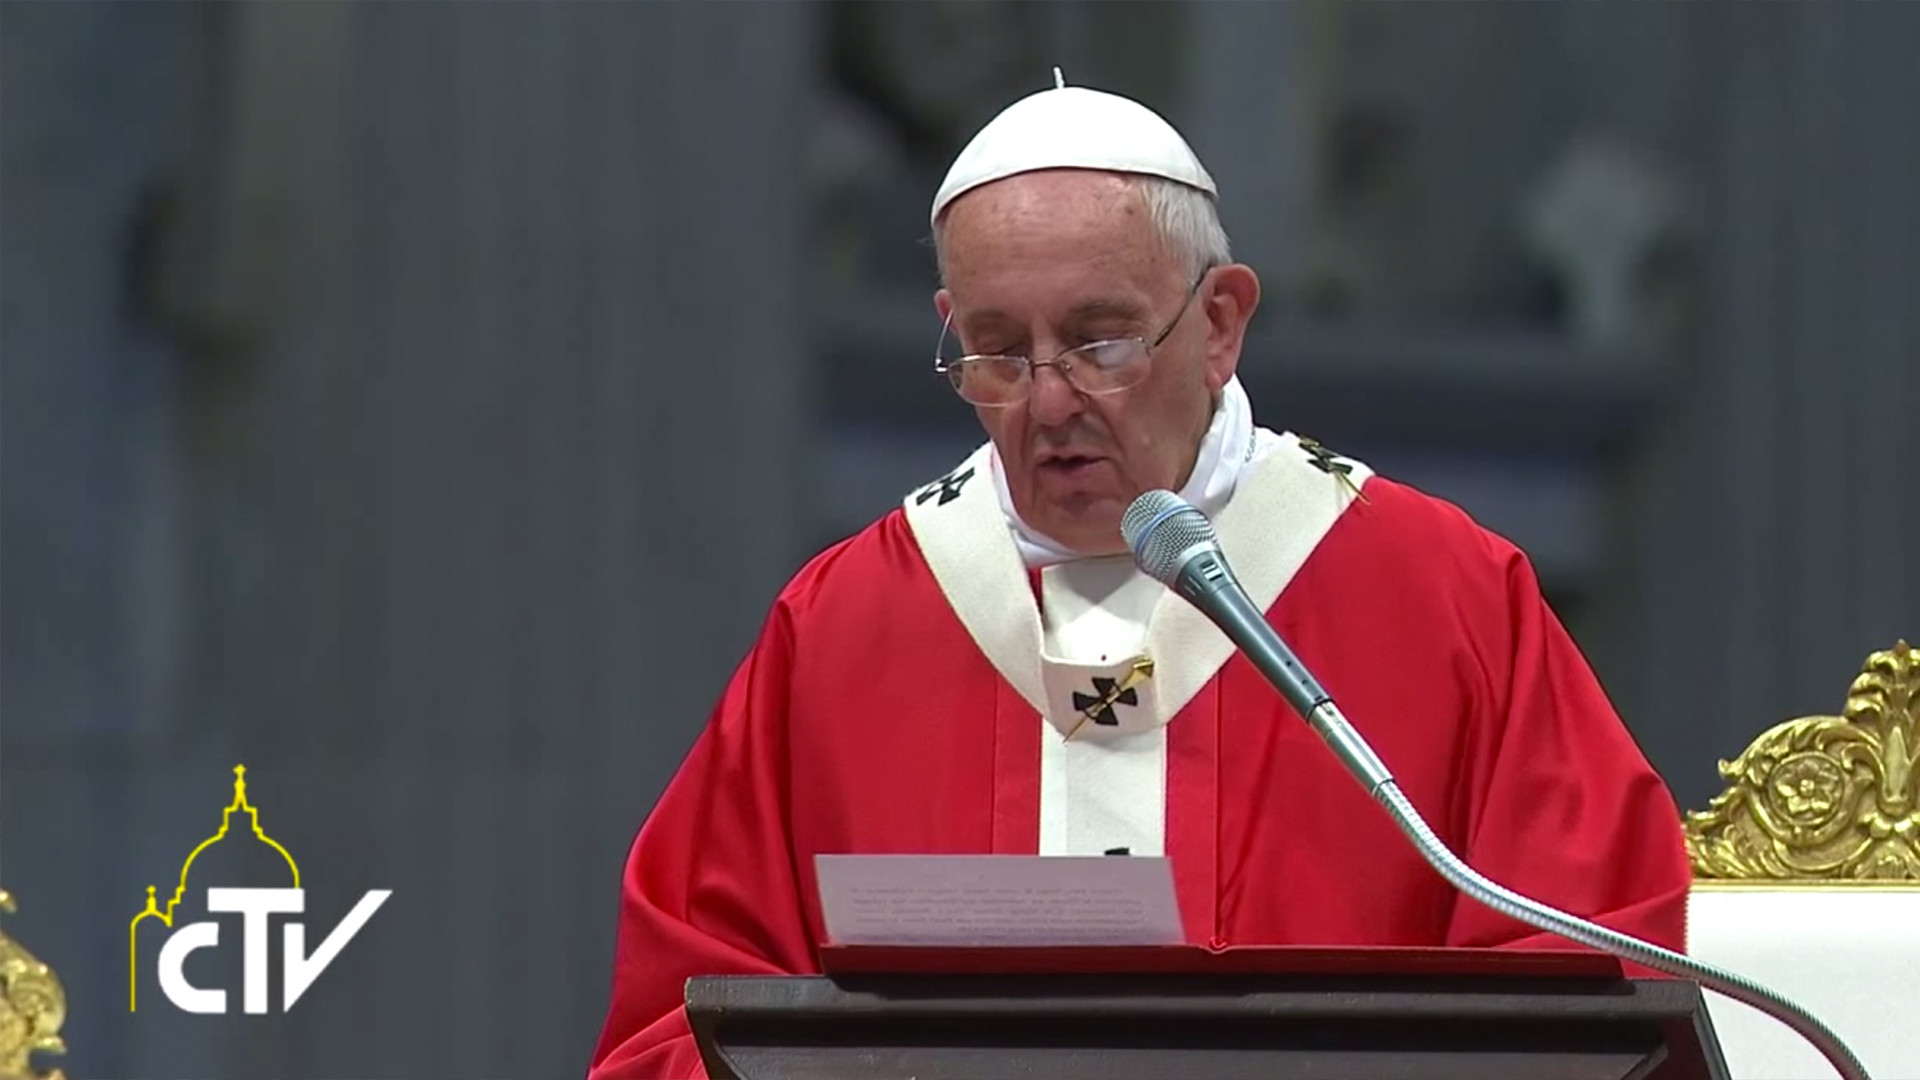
<point>1824,798</point>
<point>32,1007</point>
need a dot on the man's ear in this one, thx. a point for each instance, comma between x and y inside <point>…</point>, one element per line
<point>1232,298</point>
<point>942,303</point>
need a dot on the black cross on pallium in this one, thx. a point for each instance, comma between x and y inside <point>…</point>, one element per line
<point>1098,707</point>
<point>1331,463</point>
<point>947,487</point>
<point>1109,692</point>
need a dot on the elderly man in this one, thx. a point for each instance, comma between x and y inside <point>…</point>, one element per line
<point>925,686</point>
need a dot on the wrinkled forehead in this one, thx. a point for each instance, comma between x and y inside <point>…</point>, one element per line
<point>1070,244</point>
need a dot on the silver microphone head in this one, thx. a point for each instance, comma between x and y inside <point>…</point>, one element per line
<point>1160,527</point>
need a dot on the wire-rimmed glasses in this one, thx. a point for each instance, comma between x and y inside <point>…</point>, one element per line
<point>1097,367</point>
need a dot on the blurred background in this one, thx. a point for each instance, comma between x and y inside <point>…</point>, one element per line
<point>422,404</point>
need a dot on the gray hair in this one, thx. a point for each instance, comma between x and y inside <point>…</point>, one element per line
<point>1186,219</point>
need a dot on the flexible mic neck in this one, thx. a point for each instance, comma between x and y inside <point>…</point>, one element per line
<point>1175,544</point>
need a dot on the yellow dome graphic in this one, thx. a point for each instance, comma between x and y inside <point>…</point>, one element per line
<point>153,910</point>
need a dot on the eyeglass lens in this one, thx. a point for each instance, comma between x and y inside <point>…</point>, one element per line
<point>1103,367</point>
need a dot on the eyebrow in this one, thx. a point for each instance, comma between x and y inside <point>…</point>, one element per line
<point>1108,308</point>
<point>1100,307</point>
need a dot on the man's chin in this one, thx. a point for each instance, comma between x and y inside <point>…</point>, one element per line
<point>1090,526</point>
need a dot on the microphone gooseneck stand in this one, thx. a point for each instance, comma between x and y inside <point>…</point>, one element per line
<point>1512,904</point>
<point>1174,543</point>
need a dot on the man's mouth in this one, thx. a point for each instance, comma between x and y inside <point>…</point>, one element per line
<point>1069,464</point>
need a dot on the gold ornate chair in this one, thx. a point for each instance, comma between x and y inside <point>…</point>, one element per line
<point>32,1008</point>
<point>1807,878</point>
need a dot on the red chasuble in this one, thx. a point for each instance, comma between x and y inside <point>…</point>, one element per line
<point>900,700</point>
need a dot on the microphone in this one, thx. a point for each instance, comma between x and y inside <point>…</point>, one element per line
<point>1174,543</point>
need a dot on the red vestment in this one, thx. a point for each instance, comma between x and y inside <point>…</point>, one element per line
<point>867,719</point>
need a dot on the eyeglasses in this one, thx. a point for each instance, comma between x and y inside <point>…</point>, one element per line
<point>1098,367</point>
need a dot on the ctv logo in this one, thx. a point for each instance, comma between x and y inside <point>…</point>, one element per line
<point>298,967</point>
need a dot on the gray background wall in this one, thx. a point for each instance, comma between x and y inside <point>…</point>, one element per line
<point>421,404</point>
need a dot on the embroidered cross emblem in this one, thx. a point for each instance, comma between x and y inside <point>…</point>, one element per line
<point>947,487</point>
<point>1098,707</point>
<point>1332,464</point>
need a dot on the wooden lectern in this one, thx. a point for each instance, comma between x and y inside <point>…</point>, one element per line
<point>1156,1013</point>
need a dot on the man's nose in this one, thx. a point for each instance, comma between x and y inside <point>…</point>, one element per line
<point>1054,400</point>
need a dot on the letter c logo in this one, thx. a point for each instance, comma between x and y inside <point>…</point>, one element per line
<point>173,977</point>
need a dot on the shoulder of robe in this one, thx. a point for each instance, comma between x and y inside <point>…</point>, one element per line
<point>1423,539</point>
<point>877,549</point>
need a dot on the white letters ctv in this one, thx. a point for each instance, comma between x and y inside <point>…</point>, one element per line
<point>298,968</point>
